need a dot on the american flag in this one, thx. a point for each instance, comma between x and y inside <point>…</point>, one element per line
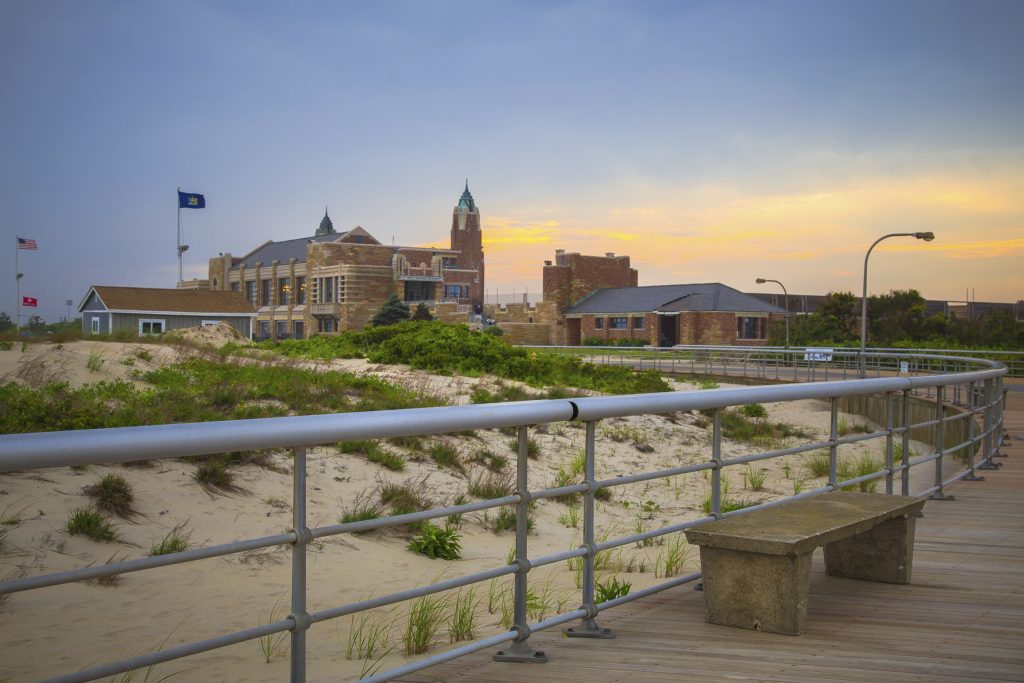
<point>24,243</point>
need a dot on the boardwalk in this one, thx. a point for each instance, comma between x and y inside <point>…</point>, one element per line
<point>961,619</point>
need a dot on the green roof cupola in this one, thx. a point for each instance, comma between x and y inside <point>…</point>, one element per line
<point>466,202</point>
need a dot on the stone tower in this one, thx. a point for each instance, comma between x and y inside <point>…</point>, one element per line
<point>466,238</point>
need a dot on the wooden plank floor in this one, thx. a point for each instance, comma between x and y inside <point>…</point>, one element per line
<point>961,619</point>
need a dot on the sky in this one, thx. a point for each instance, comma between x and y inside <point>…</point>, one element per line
<point>710,141</point>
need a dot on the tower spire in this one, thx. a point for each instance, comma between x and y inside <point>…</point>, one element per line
<point>326,226</point>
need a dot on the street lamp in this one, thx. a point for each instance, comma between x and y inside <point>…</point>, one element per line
<point>785,295</point>
<point>927,237</point>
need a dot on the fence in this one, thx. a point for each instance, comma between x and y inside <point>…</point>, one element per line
<point>978,381</point>
<point>799,363</point>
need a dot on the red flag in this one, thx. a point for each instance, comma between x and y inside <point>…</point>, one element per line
<point>29,301</point>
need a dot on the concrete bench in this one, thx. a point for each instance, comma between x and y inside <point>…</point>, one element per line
<point>757,566</point>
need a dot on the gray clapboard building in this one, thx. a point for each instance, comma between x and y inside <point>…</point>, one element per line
<point>145,310</point>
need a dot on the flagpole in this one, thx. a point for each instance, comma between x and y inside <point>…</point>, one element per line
<point>17,279</point>
<point>178,200</point>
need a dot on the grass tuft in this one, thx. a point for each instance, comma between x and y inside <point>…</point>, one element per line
<point>177,540</point>
<point>92,524</point>
<point>424,620</point>
<point>112,493</point>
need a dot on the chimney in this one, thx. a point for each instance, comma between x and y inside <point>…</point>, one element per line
<point>609,254</point>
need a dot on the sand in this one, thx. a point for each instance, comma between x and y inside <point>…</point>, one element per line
<point>57,630</point>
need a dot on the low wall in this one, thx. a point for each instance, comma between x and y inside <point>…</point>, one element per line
<point>921,410</point>
<point>538,334</point>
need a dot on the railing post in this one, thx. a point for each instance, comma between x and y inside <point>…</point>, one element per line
<point>589,627</point>
<point>716,474</point>
<point>990,427</point>
<point>1000,411</point>
<point>833,448</point>
<point>905,446</point>
<point>971,428</point>
<point>302,538</point>
<point>520,650</point>
<point>940,445</point>
<point>889,419</point>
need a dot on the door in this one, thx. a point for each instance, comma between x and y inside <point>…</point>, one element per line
<point>668,328</point>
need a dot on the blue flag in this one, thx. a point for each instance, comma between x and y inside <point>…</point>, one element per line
<point>190,200</point>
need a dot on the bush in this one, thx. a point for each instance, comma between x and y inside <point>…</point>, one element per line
<point>437,543</point>
<point>754,410</point>
<point>393,311</point>
<point>446,455</point>
<point>92,524</point>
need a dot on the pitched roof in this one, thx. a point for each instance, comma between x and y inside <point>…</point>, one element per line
<point>712,296</point>
<point>170,300</point>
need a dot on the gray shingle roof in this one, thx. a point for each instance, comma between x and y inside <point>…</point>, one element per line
<point>282,251</point>
<point>712,296</point>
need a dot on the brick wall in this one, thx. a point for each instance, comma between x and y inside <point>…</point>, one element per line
<point>526,333</point>
<point>574,275</point>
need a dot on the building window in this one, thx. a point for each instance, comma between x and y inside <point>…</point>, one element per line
<point>282,328</point>
<point>151,326</point>
<point>638,323</point>
<point>266,292</point>
<point>284,291</point>
<point>617,323</point>
<point>751,328</point>
<point>448,262</point>
<point>300,290</point>
<point>598,323</point>
<point>326,324</point>
<point>236,286</point>
<point>326,290</point>
<point>250,291</point>
<point>456,291</point>
<point>95,325</point>
<point>299,328</point>
<point>264,329</point>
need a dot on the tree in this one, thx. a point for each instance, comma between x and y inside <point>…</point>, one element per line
<point>422,312</point>
<point>5,321</point>
<point>896,316</point>
<point>393,311</point>
<point>36,325</point>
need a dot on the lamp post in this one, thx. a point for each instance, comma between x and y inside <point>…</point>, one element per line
<point>927,237</point>
<point>785,298</point>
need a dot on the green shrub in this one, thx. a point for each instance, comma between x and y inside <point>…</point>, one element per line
<point>112,493</point>
<point>754,478</point>
<point>372,451</point>
<point>92,524</point>
<point>603,592</point>
<point>437,543</point>
<point>754,410</point>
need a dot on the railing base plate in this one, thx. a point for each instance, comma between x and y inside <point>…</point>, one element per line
<point>972,477</point>
<point>520,652</point>
<point>939,495</point>
<point>589,629</point>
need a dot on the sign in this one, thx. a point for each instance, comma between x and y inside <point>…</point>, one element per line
<point>904,366</point>
<point>820,355</point>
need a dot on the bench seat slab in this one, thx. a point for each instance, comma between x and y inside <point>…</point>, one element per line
<point>755,590</point>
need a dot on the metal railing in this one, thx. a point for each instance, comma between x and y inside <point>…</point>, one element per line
<point>979,382</point>
<point>776,362</point>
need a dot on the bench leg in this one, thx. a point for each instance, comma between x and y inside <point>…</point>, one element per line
<point>756,591</point>
<point>884,553</point>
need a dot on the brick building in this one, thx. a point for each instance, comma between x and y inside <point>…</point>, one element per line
<point>332,281</point>
<point>666,315</point>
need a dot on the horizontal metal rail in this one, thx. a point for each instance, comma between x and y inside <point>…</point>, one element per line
<point>977,382</point>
